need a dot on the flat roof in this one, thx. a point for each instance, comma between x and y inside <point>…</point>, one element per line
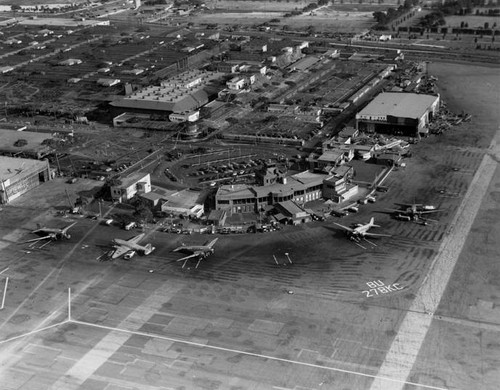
<point>34,141</point>
<point>183,198</point>
<point>13,169</point>
<point>364,171</point>
<point>135,177</point>
<point>291,207</point>
<point>399,104</point>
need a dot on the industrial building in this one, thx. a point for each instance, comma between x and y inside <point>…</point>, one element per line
<point>185,202</point>
<point>19,175</point>
<point>398,113</point>
<point>183,93</point>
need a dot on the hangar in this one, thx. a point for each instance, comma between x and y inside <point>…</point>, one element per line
<point>19,175</point>
<point>398,113</point>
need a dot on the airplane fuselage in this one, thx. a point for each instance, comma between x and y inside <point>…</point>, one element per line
<point>146,249</point>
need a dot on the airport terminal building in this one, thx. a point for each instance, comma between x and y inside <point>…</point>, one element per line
<point>19,175</point>
<point>398,113</point>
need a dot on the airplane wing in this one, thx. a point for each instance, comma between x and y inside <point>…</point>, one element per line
<point>344,227</point>
<point>119,251</point>
<point>407,204</point>
<point>67,227</point>
<point>136,239</point>
<point>210,244</point>
<point>189,257</point>
<point>377,235</point>
<point>397,211</point>
<point>429,211</point>
<point>37,239</point>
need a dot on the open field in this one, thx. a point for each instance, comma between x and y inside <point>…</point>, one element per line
<point>233,322</point>
<point>277,6</point>
<point>345,18</point>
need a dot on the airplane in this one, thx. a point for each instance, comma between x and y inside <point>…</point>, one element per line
<point>130,247</point>
<point>413,211</point>
<point>199,251</point>
<point>51,234</point>
<point>360,232</point>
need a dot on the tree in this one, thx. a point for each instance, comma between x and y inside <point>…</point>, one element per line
<point>143,214</point>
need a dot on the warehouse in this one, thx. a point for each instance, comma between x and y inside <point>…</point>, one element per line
<point>398,113</point>
<point>19,175</point>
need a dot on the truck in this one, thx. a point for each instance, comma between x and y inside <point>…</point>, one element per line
<point>130,225</point>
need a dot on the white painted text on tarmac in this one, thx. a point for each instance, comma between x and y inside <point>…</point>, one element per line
<point>377,287</point>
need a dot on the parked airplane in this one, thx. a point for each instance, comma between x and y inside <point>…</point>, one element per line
<point>413,211</point>
<point>196,251</point>
<point>130,247</point>
<point>360,232</point>
<point>51,234</point>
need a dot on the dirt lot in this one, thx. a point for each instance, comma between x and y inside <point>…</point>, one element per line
<point>346,18</point>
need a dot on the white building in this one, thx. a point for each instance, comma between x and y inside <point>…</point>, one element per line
<point>136,183</point>
<point>19,175</point>
<point>236,83</point>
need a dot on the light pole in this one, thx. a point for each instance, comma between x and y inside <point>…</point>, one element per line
<point>288,257</point>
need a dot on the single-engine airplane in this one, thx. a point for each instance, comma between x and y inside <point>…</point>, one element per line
<point>130,247</point>
<point>50,234</point>
<point>196,251</point>
<point>360,232</point>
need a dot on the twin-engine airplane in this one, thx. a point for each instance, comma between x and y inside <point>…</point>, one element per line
<point>414,211</point>
<point>51,234</point>
<point>196,251</point>
<point>360,232</point>
<point>130,247</point>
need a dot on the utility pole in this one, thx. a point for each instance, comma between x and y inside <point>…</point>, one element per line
<point>69,201</point>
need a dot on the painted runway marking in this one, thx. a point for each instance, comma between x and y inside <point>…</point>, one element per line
<point>32,332</point>
<point>257,355</point>
<point>4,292</point>
<point>405,348</point>
<point>378,287</point>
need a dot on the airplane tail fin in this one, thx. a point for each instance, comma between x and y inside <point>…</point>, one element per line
<point>372,222</point>
<point>149,249</point>
<point>212,243</point>
<point>179,248</point>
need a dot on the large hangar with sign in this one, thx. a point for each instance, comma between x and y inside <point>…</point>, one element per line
<point>398,113</point>
<point>19,175</point>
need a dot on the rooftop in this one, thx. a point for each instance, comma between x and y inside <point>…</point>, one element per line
<point>399,104</point>
<point>13,169</point>
<point>34,141</point>
<point>135,177</point>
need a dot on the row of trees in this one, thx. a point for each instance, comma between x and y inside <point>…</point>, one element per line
<point>384,18</point>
